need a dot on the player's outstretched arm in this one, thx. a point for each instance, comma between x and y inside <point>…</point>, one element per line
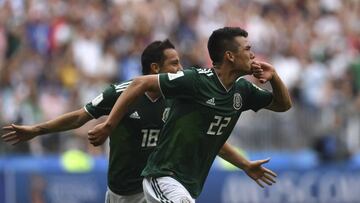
<point>21,133</point>
<point>138,87</point>
<point>281,97</point>
<point>253,169</point>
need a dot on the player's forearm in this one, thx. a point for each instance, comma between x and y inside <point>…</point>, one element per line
<point>281,97</point>
<point>64,122</point>
<point>229,153</point>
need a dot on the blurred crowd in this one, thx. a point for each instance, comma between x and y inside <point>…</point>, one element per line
<point>55,56</point>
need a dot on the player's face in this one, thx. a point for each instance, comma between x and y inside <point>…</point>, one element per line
<point>171,63</point>
<point>243,57</point>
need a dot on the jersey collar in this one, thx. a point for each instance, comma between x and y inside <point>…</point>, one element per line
<point>217,79</point>
<point>152,99</point>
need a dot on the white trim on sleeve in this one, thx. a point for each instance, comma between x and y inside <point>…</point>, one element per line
<point>89,112</point>
<point>162,94</point>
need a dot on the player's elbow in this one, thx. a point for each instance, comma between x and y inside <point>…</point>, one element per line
<point>285,106</point>
<point>288,106</point>
<point>280,106</point>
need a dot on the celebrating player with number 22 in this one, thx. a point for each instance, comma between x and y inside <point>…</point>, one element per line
<point>206,104</point>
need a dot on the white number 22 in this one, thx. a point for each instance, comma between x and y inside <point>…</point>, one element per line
<point>217,126</point>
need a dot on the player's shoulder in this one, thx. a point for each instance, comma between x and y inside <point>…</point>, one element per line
<point>205,71</point>
<point>200,71</point>
<point>121,86</point>
<point>244,83</point>
<point>191,72</point>
<point>241,80</point>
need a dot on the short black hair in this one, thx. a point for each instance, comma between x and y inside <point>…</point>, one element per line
<point>154,53</point>
<point>221,40</point>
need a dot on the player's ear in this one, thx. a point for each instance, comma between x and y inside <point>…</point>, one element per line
<point>154,68</point>
<point>229,56</point>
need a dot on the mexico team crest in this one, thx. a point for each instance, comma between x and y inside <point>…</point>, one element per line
<point>237,101</point>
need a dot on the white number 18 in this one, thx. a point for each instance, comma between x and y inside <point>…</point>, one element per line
<point>150,137</point>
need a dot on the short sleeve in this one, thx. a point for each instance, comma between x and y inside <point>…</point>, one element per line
<point>103,103</point>
<point>178,85</point>
<point>257,97</point>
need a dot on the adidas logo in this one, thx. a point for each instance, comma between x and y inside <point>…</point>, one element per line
<point>135,115</point>
<point>211,101</point>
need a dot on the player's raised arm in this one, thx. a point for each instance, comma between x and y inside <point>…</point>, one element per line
<point>281,98</point>
<point>138,87</point>
<point>21,133</point>
<point>253,169</point>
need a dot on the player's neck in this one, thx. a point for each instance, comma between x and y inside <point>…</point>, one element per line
<point>226,76</point>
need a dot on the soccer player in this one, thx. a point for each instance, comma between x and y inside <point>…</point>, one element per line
<point>207,104</point>
<point>135,136</point>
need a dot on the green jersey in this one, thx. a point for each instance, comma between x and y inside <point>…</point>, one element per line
<point>201,118</point>
<point>132,140</point>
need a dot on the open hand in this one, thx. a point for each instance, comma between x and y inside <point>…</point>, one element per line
<point>99,134</point>
<point>260,174</point>
<point>18,133</point>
